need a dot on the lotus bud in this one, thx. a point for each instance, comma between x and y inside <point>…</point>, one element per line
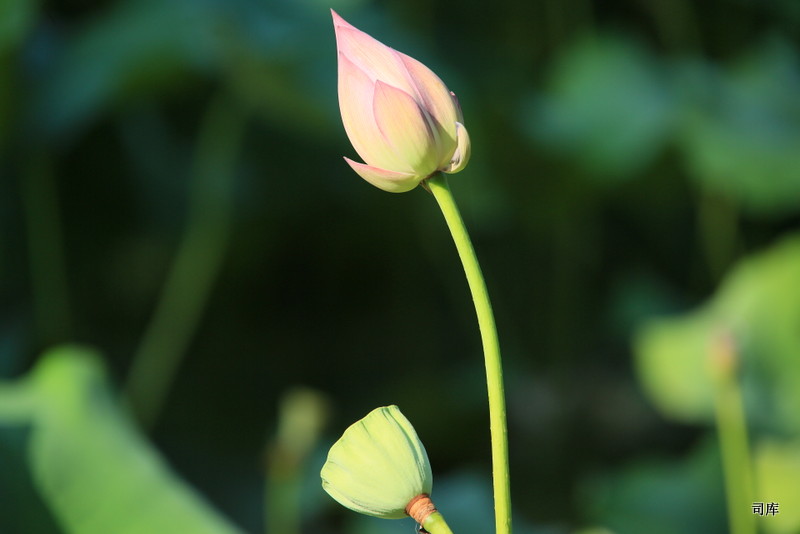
<point>379,467</point>
<point>400,117</point>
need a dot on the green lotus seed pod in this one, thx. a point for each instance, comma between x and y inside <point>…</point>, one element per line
<point>378,466</point>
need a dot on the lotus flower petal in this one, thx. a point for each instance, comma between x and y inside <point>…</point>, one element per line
<point>406,128</point>
<point>400,117</point>
<point>461,156</point>
<point>378,466</point>
<point>377,60</point>
<point>359,120</point>
<point>435,98</point>
<point>391,181</point>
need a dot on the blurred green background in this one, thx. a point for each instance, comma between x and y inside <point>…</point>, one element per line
<point>172,194</point>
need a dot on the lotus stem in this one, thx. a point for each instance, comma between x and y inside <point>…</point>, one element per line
<point>435,524</point>
<point>732,432</point>
<point>438,185</point>
<point>196,265</point>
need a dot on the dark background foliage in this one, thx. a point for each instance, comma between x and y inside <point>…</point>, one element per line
<point>625,154</point>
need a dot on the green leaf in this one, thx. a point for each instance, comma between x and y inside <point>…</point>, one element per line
<point>16,19</point>
<point>660,496</point>
<point>759,306</point>
<point>93,469</point>
<point>608,105</point>
<point>741,132</point>
<point>134,48</point>
<point>670,360</point>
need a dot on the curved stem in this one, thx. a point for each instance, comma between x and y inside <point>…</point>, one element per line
<point>435,524</point>
<point>196,266</point>
<point>491,350</point>
<point>732,431</point>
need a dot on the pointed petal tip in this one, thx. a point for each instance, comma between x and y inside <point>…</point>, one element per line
<point>338,21</point>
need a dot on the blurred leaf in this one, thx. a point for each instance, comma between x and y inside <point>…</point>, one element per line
<point>136,47</point>
<point>777,474</point>
<point>271,56</point>
<point>671,364</point>
<point>16,18</point>
<point>741,133</point>
<point>759,305</point>
<point>277,61</point>
<point>608,104</point>
<point>95,472</point>
<point>661,496</point>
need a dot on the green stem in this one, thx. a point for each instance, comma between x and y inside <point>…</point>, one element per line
<point>301,420</point>
<point>196,266</point>
<point>491,350</point>
<point>435,524</point>
<point>732,430</point>
<point>283,508</point>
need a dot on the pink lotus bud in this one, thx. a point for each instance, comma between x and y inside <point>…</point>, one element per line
<point>401,119</point>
